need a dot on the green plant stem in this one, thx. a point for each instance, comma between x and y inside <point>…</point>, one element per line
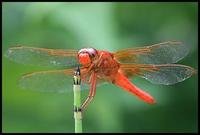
<point>77,102</point>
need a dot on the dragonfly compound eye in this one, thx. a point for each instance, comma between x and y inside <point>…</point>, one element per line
<point>92,52</point>
<point>84,58</point>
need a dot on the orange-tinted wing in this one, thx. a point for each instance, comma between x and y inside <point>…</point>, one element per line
<point>166,74</point>
<point>54,81</point>
<point>49,81</point>
<point>162,53</point>
<point>43,56</point>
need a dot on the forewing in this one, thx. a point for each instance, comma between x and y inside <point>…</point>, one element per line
<point>43,56</point>
<point>162,53</point>
<point>166,74</point>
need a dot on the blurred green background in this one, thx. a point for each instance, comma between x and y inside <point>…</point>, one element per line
<point>109,26</point>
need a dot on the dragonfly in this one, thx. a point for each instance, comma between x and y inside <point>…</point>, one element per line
<point>155,63</point>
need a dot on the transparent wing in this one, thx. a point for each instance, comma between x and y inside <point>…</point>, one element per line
<point>54,81</point>
<point>166,74</point>
<point>42,56</point>
<point>48,81</point>
<point>162,53</point>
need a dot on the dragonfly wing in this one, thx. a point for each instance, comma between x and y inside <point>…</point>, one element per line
<point>162,53</point>
<point>50,81</point>
<point>53,81</point>
<point>166,74</point>
<point>43,56</point>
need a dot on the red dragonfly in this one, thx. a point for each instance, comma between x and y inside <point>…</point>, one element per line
<point>154,63</point>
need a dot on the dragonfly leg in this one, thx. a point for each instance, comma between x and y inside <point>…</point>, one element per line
<point>90,67</point>
<point>92,91</point>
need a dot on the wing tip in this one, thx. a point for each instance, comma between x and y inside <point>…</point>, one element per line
<point>10,51</point>
<point>175,42</point>
<point>194,71</point>
<point>7,53</point>
<point>191,69</point>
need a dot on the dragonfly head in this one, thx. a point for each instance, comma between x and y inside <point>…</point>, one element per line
<point>86,55</point>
